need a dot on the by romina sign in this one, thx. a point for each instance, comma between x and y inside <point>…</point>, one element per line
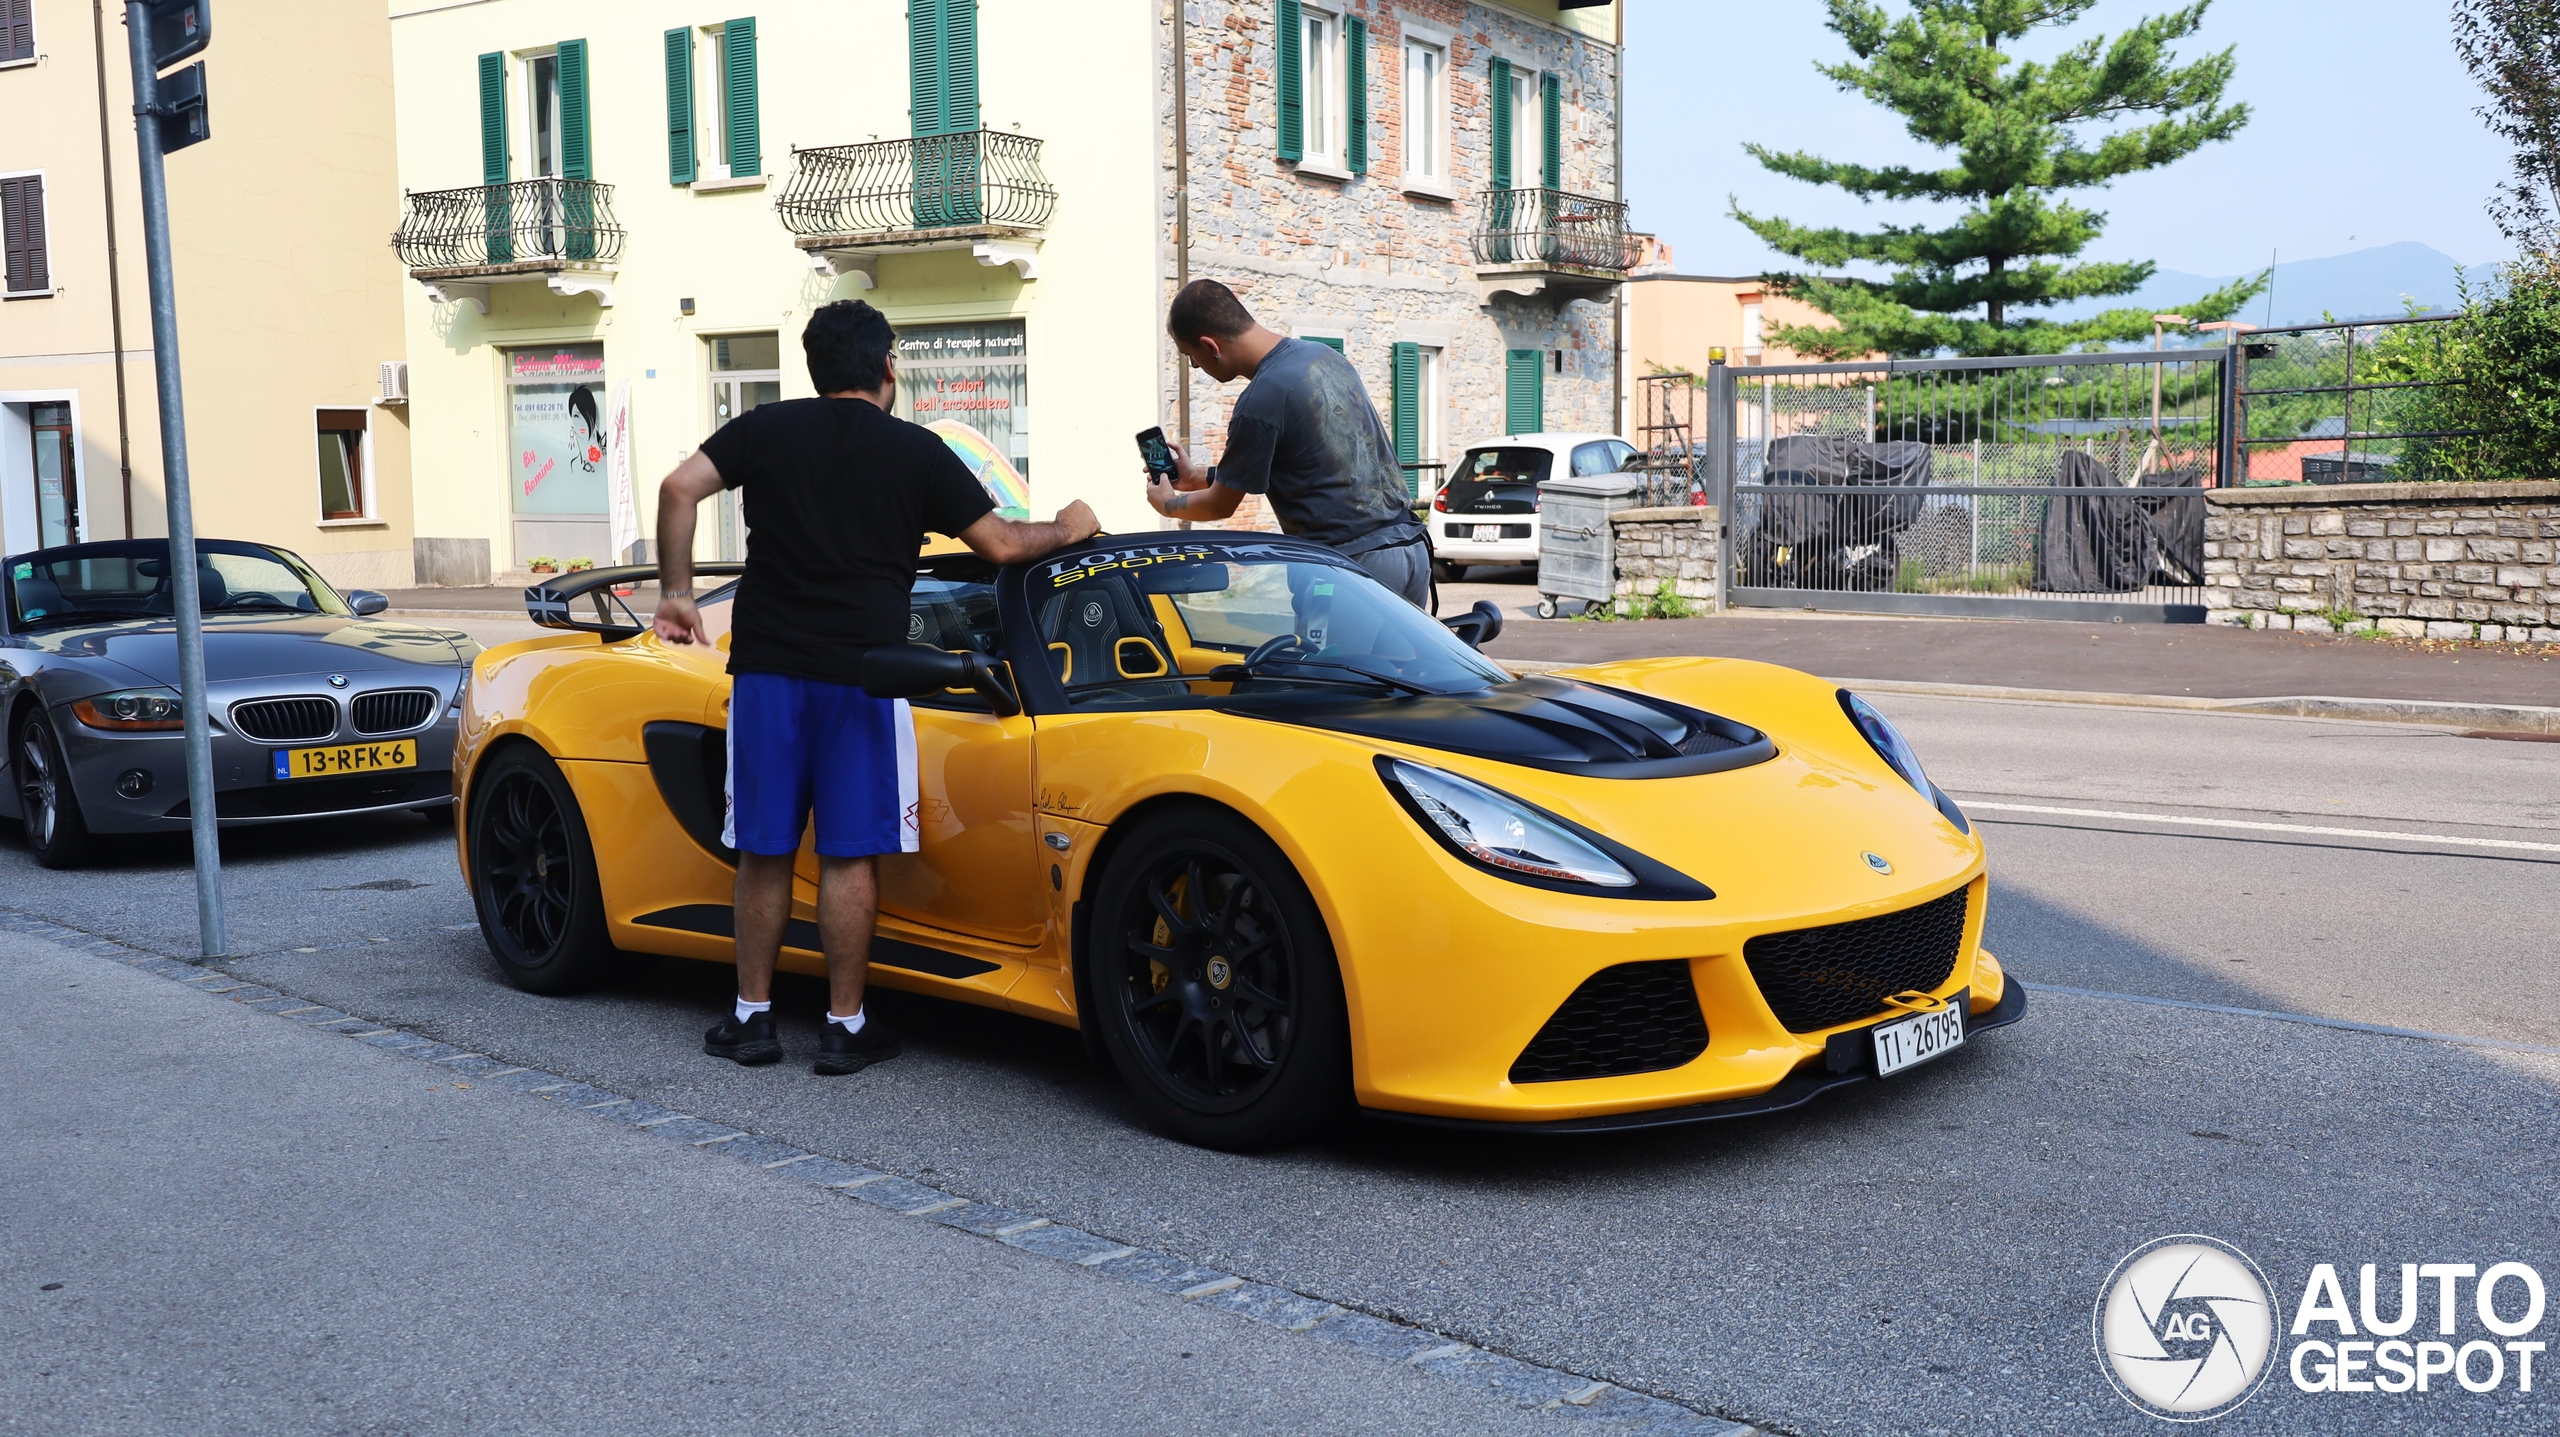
<point>539,365</point>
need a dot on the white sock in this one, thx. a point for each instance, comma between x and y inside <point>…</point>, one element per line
<point>850,1025</point>
<point>748,1010</point>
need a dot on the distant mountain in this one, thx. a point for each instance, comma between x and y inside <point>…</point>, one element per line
<point>2367,284</point>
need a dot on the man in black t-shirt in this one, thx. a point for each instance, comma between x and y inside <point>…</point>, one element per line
<point>839,495</point>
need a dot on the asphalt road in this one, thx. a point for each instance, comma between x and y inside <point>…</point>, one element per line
<point>1919,1256</point>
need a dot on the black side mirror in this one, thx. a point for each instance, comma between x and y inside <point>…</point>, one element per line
<point>1478,626</point>
<point>914,671</point>
<point>366,602</point>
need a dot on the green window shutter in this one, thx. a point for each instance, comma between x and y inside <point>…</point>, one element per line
<point>1405,406</point>
<point>924,67</point>
<point>959,66</point>
<point>738,106</point>
<point>1293,108</point>
<point>1355,94</point>
<point>1498,85</point>
<point>1551,132</point>
<point>493,119</point>
<point>680,155</point>
<point>576,163</point>
<point>1524,391</point>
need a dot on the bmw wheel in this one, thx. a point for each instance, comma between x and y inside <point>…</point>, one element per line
<point>47,806</point>
<point>1215,986</point>
<point>533,875</point>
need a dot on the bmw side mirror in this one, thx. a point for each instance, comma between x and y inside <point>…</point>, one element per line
<point>915,671</point>
<point>1478,626</point>
<point>366,602</point>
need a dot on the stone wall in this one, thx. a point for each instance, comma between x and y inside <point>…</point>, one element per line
<point>1362,258</point>
<point>1678,544</point>
<point>2455,561</point>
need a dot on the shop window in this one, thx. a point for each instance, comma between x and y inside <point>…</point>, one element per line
<point>746,371</point>
<point>343,480</point>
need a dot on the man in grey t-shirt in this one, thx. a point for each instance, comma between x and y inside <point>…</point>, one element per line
<point>1304,435</point>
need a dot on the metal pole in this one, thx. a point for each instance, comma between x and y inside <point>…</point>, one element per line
<point>173,460</point>
<point>115,279</point>
<point>1720,445</point>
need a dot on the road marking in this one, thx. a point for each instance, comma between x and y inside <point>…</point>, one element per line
<point>860,1182</point>
<point>653,1122</point>
<point>600,1107</point>
<point>503,1072</point>
<point>289,1012</point>
<point>376,1033</point>
<point>458,1057</point>
<point>786,1162</point>
<point>1435,1354</point>
<point>1019,1227</point>
<point>1212,1287</point>
<point>2348,1024</point>
<point>1587,1395</point>
<point>929,1209</point>
<point>2257,827</point>
<point>715,1142</point>
<point>1099,1258</point>
<point>551,1087</point>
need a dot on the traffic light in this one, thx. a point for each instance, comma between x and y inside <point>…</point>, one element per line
<point>179,28</point>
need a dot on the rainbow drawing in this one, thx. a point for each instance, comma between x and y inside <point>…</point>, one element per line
<point>1004,483</point>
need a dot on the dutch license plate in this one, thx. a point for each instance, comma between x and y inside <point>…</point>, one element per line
<point>1908,1042</point>
<point>338,760</point>
<point>1486,533</point>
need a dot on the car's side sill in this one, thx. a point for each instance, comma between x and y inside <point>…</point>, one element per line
<point>718,920</point>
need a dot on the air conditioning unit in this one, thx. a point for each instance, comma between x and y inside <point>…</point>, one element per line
<point>395,382</point>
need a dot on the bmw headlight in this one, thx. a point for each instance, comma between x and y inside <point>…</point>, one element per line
<point>1899,755</point>
<point>1500,832</point>
<point>139,711</point>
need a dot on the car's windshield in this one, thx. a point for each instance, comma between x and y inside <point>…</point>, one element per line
<point>129,579</point>
<point>1147,624</point>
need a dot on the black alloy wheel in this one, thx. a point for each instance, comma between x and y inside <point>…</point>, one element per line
<point>1215,986</point>
<point>47,806</point>
<point>533,875</point>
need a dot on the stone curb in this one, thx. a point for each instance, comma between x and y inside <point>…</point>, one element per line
<point>2499,718</point>
<point>1592,1406</point>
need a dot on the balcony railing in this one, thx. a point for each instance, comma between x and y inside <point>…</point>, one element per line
<point>1551,227</point>
<point>525,224</point>
<point>976,179</point>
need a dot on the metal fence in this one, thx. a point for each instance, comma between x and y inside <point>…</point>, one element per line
<point>2035,486</point>
<point>1552,227</point>
<point>2349,403</point>
<point>974,177</point>
<point>527,222</point>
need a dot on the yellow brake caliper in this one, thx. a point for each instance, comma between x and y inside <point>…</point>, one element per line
<point>1159,975</point>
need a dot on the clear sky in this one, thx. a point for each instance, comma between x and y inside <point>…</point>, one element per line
<point>2363,135</point>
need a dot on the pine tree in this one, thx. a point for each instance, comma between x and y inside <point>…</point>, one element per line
<point>2021,133</point>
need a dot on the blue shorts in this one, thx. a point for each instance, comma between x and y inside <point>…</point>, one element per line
<point>798,744</point>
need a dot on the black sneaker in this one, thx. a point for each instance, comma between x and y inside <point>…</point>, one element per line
<point>840,1052</point>
<point>748,1043</point>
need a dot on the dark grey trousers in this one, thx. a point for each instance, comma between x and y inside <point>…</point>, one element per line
<point>1404,568</point>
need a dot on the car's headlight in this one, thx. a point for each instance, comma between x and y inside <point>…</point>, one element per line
<point>1501,832</point>
<point>1899,755</point>
<point>139,711</point>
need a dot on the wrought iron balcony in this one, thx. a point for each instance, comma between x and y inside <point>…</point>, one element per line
<point>1573,246</point>
<point>459,241</point>
<point>978,189</point>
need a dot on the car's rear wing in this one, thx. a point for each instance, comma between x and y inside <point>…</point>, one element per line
<point>553,602</point>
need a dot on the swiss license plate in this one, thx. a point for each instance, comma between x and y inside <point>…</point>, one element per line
<point>337,760</point>
<point>1488,532</point>
<point>1908,1042</point>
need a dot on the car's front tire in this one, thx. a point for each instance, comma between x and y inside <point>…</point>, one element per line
<point>533,875</point>
<point>47,806</point>
<point>1214,984</point>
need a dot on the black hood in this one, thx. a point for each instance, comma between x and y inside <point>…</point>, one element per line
<point>1539,722</point>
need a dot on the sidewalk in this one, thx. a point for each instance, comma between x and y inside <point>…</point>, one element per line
<point>223,1222</point>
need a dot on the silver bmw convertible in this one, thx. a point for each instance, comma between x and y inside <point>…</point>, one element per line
<point>317,706</point>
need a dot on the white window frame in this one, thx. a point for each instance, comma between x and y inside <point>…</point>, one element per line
<point>1528,130</point>
<point>1324,117</point>
<point>526,63</point>
<point>1754,327</point>
<point>18,467</point>
<point>369,483</point>
<point>1426,146</point>
<point>1427,404</point>
<point>51,270</point>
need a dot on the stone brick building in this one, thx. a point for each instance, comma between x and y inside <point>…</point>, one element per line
<point>1432,186</point>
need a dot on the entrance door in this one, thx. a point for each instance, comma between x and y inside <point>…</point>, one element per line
<point>57,485</point>
<point>746,370</point>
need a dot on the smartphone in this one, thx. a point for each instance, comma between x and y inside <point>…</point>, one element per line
<point>1157,455</point>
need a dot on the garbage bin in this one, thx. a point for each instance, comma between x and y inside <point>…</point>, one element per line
<point>1577,552</point>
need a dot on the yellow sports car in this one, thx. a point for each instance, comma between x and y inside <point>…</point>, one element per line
<point>1277,844</point>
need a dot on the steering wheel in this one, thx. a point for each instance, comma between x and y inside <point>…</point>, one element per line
<point>1277,644</point>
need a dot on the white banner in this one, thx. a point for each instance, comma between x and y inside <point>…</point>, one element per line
<point>626,513</point>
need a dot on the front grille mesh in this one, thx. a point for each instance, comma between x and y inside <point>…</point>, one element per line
<point>1815,978</point>
<point>393,710</point>
<point>285,720</point>
<point>1631,1018</point>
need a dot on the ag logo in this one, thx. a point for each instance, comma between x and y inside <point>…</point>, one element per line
<point>2184,1326</point>
<point>1093,614</point>
<point>915,628</point>
<point>1220,975</point>
<point>1878,862</point>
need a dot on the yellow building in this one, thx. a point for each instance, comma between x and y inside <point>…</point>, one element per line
<point>618,219</point>
<point>288,303</point>
<point>1673,320</point>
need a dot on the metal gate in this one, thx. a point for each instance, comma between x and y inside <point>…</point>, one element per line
<point>2046,486</point>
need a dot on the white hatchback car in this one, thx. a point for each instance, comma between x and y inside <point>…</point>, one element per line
<point>1487,509</point>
